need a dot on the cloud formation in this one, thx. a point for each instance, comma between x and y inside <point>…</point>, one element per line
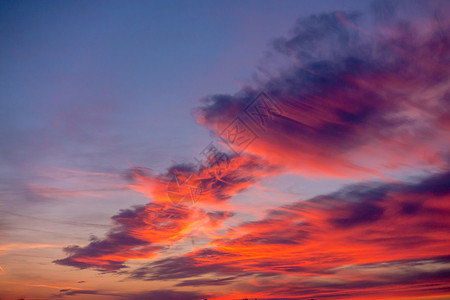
<point>143,231</point>
<point>140,233</point>
<point>349,101</point>
<point>359,240</point>
<point>213,182</point>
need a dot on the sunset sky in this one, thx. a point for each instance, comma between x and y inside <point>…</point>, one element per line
<point>224,150</point>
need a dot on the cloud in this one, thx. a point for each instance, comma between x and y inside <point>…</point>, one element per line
<point>350,242</point>
<point>185,266</point>
<point>165,294</point>
<point>214,182</point>
<point>52,221</point>
<point>140,233</point>
<point>349,101</point>
<point>144,231</point>
<point>70,292</point>
<point>155,294</point>
<point>206,282</point>
<point>353,99</point>
<point>399,279</point>
<point>57,193</point>
<point>23,246</point>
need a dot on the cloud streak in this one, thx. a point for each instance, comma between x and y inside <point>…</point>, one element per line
<point>155,294</point>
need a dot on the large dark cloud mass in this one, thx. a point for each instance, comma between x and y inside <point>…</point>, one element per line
<point>350,101</point>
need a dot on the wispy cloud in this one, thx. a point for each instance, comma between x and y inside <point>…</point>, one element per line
<point>22,246</point>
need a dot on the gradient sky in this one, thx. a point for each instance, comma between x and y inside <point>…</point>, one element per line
<point>343,192</point>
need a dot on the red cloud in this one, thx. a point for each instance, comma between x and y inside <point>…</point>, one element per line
<point>358,241</point>
<point>213,183</point>
<point>140,233</point>
<point>350,104</point>
<point>143,231</point>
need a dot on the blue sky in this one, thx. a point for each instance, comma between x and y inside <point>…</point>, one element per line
<point>118,74</point>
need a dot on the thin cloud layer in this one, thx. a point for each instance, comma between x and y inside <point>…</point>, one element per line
<point>155,294</point>
<point>349,101</point>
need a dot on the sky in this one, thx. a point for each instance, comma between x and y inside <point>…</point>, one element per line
<point>224,150</point>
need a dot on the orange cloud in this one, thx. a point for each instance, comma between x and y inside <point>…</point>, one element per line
<point>362,240</point>
<point>216,182</point>
<point>143,231</point>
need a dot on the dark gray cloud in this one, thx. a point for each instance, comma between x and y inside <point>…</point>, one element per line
<point>183,267</point>
<point>207,282</point>
<point>155,294</point>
